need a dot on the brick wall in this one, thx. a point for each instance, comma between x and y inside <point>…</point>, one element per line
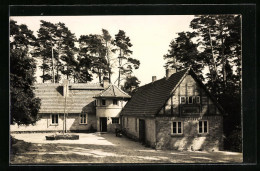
<point>190,137</point>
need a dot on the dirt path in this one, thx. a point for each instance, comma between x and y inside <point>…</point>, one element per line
<point>106,148</point>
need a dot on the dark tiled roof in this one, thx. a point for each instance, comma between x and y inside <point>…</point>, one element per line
<point>80,97</point>
<point>148,99</point>
<point>113,91</point>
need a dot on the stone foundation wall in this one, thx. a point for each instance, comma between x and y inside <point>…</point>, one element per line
<point>190,139</point>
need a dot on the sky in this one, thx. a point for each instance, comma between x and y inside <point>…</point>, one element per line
<point>149,34</point>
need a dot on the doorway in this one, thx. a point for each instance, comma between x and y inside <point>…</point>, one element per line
<point>142,131</point>
<point>103,124</point>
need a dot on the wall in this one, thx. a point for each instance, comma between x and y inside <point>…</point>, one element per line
<point>108,111</point>
<point>190,137</point>
<point>44,124</point>
<point>131,124</point>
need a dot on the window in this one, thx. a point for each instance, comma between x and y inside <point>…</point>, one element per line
<point>183,100</point>
<point>115,120</point>
<point>114,101</point>
<point>177,127</point>
<point>54,119</point>
<point>198,99</point>
<point>190,100</point>
<point>83,119</point>
<point>103,102</point>
<point>203,127</point>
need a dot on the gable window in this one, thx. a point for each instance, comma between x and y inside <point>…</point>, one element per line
<point>115,120</point>
<point>183,100</point>
<point>177,127</point>
<point>203,127</point>
<point>54,119</point>
<point>114,101</point>
<point>103,101</point>
<point>198,99</point>
<point>83,119</point>
<point>190,99</point>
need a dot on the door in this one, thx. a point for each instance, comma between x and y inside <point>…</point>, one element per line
<point>142,131</point>
<point>103,124</point>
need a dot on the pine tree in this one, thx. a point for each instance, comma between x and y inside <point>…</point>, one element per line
<point>126,64</point>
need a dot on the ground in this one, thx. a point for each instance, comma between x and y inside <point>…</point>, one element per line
<point>105,148</point>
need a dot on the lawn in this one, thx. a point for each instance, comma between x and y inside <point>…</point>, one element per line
<point>104,148</point>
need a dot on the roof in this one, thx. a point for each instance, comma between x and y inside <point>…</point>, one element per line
<point>80,97</point>
<point>111,92</point>
<point>150,98</point>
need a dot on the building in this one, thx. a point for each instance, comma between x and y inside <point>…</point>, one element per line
<point>109,104</point>
<point>175,112</point>
<point>72,107</point>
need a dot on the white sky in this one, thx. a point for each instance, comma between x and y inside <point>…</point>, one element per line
<point>149,34</point>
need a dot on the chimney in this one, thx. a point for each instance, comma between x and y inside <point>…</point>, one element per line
<point>65,88</point>
<point>105,82</point>
<point>169,72</point>
<point>153,78</point>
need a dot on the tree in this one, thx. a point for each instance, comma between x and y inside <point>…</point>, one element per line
<point>24,105</point>
<point>93,52</point>
<point>126,64</point>
<point>130,84</point>
<point>66,51</point>
<point>183,53</point>
<point>108,43</point>
<point>46,42</point>
<point>57,49</point>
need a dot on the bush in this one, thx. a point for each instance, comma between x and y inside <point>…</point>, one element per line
<point>19,146</point>
<point>233,141</point>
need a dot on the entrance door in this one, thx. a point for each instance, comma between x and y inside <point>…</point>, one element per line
<point>103,124</point>
<point>142,131</point>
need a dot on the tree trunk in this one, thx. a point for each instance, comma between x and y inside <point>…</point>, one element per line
<point>223,62</point>
<point>108,63</point>
<point>52,57</point>
<point>43,70</point>
<point>212,53</point>
<point>119,72</point>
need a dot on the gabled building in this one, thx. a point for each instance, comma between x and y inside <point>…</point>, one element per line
<point>175,112</point>
<point>109,104</point>
<point>72,107</point>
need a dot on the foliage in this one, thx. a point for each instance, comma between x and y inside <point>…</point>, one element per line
<point>24,105</point>
<point>92,50</point>
<point>56,47</point>
<point>130,84</point>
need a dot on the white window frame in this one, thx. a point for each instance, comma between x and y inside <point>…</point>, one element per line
<point>115,118</point>
<point>203,127</point>
<point>184,98</point>
<point>54,119</point>
<point>177,126</point>
<point>80,118</point>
